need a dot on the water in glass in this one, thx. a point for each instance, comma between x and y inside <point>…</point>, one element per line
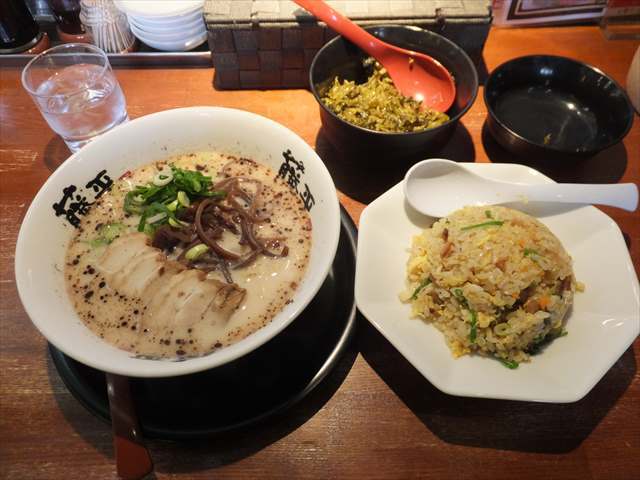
<point>81,102</point>
<point>76,91</point>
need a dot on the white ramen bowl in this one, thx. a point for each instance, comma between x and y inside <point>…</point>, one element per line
<point>44,236</point>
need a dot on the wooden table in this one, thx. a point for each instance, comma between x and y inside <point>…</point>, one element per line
<point>374,416</point>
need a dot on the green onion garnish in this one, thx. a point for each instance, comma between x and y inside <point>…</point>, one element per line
<point>107,234</point>
<point>156,213</point>
<point>159,202</point>
<point>419,288</point>
<point>487,213</point>
<point>111,231</point>
<point>542,340</point>
<point>177,223</point>
<point>183,199</point>
<point>194,252</point>
<point>510,364</point>
<point>473,333</point>
<point>497,223</point>
<point>459,296</point>
<point>530,251</point>
<point>474,320</point>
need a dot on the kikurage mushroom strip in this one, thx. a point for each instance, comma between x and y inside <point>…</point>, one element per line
<point>184,212</point>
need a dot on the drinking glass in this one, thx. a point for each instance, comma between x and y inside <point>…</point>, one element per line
<point>76,91</point>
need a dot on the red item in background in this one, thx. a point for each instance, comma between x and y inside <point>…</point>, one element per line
<point>541,12</point>
<point>623,3</point>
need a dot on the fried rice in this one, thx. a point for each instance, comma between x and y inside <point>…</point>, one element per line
<point>493,280</point>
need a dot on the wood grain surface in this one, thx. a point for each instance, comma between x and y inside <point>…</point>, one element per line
<point>375,416</point>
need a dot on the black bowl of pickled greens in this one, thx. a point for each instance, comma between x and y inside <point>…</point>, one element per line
<point>361,109</point>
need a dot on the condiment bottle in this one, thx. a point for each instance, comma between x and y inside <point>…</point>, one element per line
<point>19,32</point>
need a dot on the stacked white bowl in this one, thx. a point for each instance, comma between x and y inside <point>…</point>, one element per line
<point>168,25</point>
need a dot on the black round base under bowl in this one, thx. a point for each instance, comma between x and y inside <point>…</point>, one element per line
<point>260,384</point>
<point>340,58</point>
<point>542,106</point>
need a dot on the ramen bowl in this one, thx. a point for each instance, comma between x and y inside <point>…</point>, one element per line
<point>48,227</point>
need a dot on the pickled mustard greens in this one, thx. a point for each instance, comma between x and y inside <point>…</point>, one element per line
<point>378,105</point>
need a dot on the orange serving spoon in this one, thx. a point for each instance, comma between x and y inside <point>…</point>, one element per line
<point>414,74</point>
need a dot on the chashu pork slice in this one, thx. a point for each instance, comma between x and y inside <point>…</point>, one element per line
<point>188,298</point>
<point>130,265</point>
<point>170,293</point>
<point>121,252</point>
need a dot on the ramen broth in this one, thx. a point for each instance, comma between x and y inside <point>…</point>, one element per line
<point>185,311</point>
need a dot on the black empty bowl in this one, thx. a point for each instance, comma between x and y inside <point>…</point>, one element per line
<point>543,105</point>
<point>341,58</point>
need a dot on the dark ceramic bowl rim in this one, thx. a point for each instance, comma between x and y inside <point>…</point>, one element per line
<point>548,147</point>
<point>396,134</point>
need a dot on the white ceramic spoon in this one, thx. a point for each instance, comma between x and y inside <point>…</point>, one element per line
<point>438,187</point>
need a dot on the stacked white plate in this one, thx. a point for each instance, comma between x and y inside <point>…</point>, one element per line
<point>168,25</point>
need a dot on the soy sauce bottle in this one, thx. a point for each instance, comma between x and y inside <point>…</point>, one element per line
<point>67,13</point>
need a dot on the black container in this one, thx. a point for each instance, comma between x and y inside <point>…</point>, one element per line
<point>545,107</point>
<point>341,58</point>
<point>18,29</point>
<point>67,13</point>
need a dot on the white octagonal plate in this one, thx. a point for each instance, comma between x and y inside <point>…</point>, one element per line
<point>604,321</point>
